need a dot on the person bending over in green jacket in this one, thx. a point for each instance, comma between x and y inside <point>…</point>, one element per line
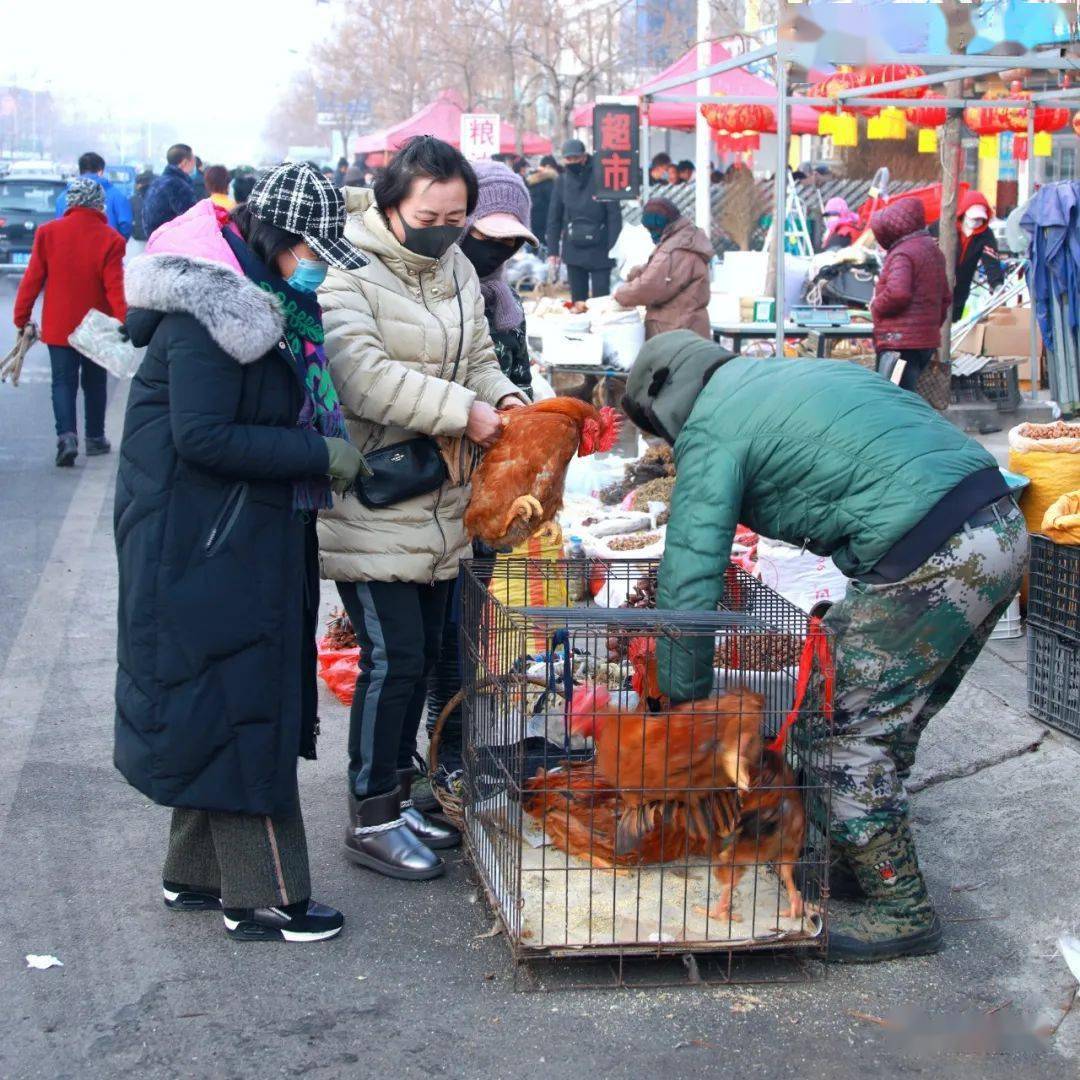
<point>836,459</point>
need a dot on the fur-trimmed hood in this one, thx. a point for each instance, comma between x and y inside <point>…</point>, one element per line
<point>243,319</point>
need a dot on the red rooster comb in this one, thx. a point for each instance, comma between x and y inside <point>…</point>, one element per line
<point>599,434</point>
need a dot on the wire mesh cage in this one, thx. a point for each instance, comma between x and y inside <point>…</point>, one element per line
<point>606,818</point>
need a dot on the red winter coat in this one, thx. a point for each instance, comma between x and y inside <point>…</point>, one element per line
<point>79,260</point>
<point>912,297</point>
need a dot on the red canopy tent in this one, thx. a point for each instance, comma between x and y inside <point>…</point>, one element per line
<point>442,118</point>
<point>683,115</point>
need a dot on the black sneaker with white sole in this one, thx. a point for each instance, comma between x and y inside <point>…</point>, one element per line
<point>305,920</point>
<point>190,897</point>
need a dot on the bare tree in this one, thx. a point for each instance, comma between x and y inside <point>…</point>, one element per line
<point>293,122</point>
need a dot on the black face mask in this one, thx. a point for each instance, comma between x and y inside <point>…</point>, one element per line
<point>577,167</point>
<point>486,255</point>
<point>432,241</point>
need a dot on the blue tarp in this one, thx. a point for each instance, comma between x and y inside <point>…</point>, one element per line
<point>1052,220</point>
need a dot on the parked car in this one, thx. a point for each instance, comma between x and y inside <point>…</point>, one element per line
<point>25,203</point>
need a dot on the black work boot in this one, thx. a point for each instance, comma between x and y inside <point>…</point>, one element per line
<point>97,446</point>
<point>843,882</point>
<point>379,838</point>
<point>896,918</point>
<point>434,831</point>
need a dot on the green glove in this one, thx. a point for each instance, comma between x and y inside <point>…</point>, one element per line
<point>346,463</point>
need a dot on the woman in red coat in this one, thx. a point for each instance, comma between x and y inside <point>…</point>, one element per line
<point>79,261</point>
<point>912,297</point>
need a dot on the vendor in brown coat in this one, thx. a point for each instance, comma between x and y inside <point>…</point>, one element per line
<point>674,284</point>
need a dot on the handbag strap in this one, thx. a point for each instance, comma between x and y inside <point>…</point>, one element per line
<point>461,335</point>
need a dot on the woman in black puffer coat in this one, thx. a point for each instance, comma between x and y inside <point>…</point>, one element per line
<point>230,444</point>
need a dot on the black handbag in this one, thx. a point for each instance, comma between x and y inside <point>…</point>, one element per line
<point>410,468</point>
<point>402,471</point>
<point>585,233</point>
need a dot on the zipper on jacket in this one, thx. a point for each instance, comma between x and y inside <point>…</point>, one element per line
<point>226,519</point>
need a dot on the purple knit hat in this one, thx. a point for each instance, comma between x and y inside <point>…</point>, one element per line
<point>503,196</point>
<point>502,211</point>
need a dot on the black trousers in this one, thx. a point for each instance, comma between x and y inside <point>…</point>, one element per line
<point>581,278</point>
<point>916,361</point>
<point>445,680</point>
<point>399,627</point>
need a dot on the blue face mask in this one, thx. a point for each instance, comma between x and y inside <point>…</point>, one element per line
<point>308,275</point>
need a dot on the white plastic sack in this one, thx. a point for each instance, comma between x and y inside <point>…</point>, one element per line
<point>632,249</point>
<point>99,338</point>
<point>541,388</point>
<point>623,341</point>
<point>802,578</point>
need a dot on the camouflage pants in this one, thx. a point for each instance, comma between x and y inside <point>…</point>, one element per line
<point>901,652</point>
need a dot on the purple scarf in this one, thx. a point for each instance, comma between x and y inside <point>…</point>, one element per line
<point>500,301</point>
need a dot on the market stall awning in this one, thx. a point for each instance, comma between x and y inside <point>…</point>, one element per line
<point>683,115</point>
<point>442,118</point>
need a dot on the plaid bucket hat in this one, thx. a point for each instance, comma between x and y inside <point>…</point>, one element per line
<point>297,198</point>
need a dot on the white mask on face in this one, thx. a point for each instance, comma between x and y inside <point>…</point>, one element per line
<point>972,221</point>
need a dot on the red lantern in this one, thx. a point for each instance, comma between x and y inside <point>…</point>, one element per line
<point>1076,123</point>
<point>1046,118</point>
<point>831,85</point>
<point>880,74</point>
<point>738,120</point>
<point>987,122</point>
<point>927,115</point>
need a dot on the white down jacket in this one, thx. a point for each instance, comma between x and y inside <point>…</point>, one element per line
<point>392,333</point>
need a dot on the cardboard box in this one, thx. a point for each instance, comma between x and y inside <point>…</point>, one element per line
<point>1004,332</point>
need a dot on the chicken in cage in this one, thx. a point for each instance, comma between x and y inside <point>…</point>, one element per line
<point>606,818</point>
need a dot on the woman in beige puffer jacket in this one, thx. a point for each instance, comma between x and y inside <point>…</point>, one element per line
<point>394,330</point>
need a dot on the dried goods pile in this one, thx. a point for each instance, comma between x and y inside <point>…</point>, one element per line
<point>1058,430</point>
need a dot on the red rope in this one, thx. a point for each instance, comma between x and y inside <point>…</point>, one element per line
<point>815,648</point>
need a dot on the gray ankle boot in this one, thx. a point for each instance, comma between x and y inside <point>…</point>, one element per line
<point>436,832</point>
<point>379,838</point>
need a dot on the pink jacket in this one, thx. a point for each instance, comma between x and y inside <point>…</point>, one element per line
<point>197,234</point>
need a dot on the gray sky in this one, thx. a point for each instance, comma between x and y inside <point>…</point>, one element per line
<point>214,68</point>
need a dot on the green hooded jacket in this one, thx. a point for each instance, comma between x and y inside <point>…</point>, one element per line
<point>818,453</point>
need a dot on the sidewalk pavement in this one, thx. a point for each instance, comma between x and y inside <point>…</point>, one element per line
<point>415,986</point>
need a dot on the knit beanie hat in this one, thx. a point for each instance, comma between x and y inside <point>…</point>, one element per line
<point>86,192</point>
<point>661,208</point>
<point>503,200</point>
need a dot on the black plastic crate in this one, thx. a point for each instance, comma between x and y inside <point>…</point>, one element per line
<point>1054,592</point>
<point>1000,388</point>
<point>1054,679</point>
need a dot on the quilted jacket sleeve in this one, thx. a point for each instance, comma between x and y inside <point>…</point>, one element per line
<point>372,385</point>
<point>484,376</point>
<point>204,392</point>
<point>661,279</point>
<point>894,288</point>
<point>704,515</point>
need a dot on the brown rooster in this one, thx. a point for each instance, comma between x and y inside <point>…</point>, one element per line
<point>702,765</point>
<point>580,813</point>
<point>771,829</point>
<point>518,486</point>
